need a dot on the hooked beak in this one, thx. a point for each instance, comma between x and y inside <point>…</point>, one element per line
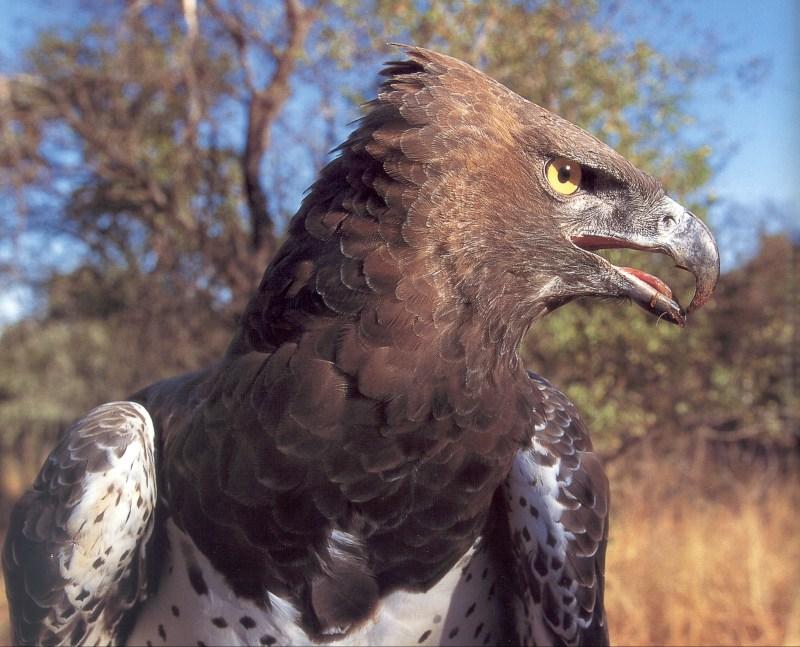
<point>679,234</point>
<point>694,249</point>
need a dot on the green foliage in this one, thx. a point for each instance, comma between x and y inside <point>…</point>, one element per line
<point>102,337</point>
<point>52,373</point>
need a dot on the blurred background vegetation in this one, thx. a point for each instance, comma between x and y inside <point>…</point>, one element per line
<point>152,151</point>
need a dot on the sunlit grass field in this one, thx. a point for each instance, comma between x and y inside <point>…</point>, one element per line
<point>697,556</point>
<point>704,559</point>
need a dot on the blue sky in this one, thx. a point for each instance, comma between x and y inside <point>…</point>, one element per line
<point>763,124</point>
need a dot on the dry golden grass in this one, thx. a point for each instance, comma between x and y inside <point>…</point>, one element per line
<point>695,559</point>
<point>690,564</point>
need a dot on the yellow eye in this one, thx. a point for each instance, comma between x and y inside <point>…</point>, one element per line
<point>564,175</point>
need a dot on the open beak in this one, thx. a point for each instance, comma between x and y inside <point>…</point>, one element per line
<point>679,234</point>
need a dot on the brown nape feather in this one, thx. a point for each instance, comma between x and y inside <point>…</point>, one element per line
<point>374,388</point>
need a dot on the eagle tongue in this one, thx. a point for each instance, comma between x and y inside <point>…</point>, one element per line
<point>654,282</point>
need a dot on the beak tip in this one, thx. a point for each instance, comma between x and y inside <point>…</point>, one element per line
<point>706,284</point>
<point>701,258</point>
<point>697,303</point>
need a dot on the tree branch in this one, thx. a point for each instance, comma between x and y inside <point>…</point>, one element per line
<point>264,107</point>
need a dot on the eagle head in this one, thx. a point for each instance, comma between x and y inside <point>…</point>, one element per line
<point>514,201</point>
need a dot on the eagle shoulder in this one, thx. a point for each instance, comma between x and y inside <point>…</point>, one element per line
<point>557,503</point>
<point>74,555</point>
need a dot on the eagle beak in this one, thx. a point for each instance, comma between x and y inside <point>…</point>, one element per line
<point>679,234</point>
<point>694,249</point>
<point>685,238</point>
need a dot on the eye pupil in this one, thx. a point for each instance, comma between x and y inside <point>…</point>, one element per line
<point>564,173</point>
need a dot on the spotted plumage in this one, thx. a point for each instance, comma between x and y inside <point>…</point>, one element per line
<point>370,463</point>
<point>75,554</point>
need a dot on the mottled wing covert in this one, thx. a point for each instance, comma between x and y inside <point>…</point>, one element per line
<point>74,554</point>
<point>557,497</point>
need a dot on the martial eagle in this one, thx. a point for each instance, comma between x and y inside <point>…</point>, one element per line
<point>370,463</point>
